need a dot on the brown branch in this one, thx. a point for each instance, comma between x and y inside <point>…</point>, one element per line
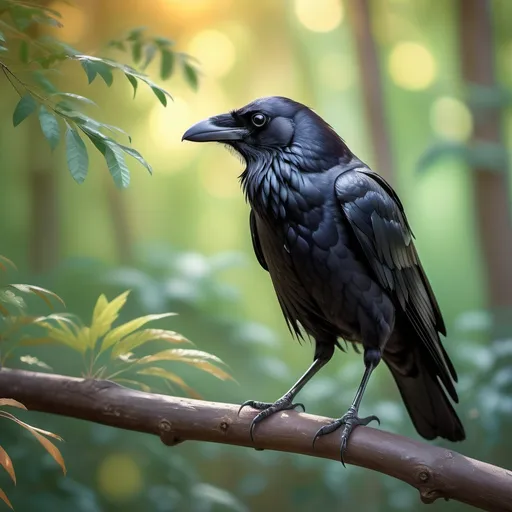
<point>435,472</point>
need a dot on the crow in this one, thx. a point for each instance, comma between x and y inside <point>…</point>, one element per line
<point>334,237</point>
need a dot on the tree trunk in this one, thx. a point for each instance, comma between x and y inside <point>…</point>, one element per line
<point>492,203</point>
<point>371,83</point>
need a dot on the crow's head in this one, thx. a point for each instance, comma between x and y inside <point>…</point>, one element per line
<point>267,126</point>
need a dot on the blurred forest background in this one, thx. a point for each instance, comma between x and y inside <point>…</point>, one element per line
<point>418,89</point>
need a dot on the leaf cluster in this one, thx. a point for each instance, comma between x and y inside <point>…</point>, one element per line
<point>41,436</point>
<point>61,114</point>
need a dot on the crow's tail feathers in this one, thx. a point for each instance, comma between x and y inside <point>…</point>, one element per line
<point>425,399</point>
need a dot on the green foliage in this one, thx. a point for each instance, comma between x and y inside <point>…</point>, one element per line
<point>40,56</point>
<point>144,49</point>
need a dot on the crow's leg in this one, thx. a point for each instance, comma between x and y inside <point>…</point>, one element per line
<point>323,354</point>
<point>350,419</point>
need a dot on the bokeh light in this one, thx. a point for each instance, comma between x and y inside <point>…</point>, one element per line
<point>215,51</point>
<point>319,15</point>
<point>412,66</point>
<point>119,477</point>
<point>451,119</point>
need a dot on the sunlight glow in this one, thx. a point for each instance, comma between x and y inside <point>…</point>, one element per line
<point>412,66</point>
<point>215,51</point>
<point>451,119</point>
<point>319,15</point>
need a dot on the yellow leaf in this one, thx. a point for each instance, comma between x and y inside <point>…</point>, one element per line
<point>180,354</point>
<point>104,315</point>
<point>39,434</point>
<point>42,293</point>
<point>161,372</point>
<point>125,329</point>
<point>140,337</point>
<point>5,499</point>
<point>196,358</point>
<point>210,368</point>
<point>49,447</point>
<point>12,403</point>
<point>6,462</point>
<point>3,260</point>
<point>63,333</point>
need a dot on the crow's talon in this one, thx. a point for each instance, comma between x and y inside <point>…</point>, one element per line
<point>348,421</point>
<point>267,409</point>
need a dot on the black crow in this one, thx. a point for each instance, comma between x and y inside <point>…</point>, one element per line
<point>335,240</point>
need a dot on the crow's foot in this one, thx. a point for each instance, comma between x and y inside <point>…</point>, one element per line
<point>267,409</point>
<point>348,421</point>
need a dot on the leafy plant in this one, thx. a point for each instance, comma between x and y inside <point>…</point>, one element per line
<point>14,315</point>
<point>108,351</point>
<point>143,50</point>
<point>39,434</point>
<point>42,55</point>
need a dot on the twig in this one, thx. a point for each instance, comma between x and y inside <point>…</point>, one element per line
<point>436,472</point>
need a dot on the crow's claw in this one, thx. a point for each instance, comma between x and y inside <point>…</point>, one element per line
<point>348,421</point>
<point>267,409</point>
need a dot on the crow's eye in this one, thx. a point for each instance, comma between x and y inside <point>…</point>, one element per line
<point>259,120</point>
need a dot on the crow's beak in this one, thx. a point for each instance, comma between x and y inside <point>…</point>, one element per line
<point>215,129</point>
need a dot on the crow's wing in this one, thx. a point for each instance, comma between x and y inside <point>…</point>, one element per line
<point>256,241</point>
<point>377,218</point>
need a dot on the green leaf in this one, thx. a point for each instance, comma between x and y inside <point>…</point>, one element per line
<point>136,51</point>
<point>123,330</point>
<point>100,140</point>
<point>90,70</point>
<point>24,108</point>
<point>117,44</point>
<point>190,75</point>
<point>105,72</point>
<point>162,98</point>
<point>117,165</point>
<point>2,37</point>
<point>163,42</point>
<point>135,154</point>
<point>75,97</point>
<point>42,293</point>
<point>49,126</point>
<point>76,154</point>
<point>150,53</point>
<point>134,83</point>
<point>135,33</point>
<point>166,64</point>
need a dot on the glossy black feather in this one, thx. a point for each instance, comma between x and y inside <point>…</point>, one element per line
<point>336,242</point>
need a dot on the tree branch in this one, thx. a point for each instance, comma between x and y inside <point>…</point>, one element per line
<point>435,472</point>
